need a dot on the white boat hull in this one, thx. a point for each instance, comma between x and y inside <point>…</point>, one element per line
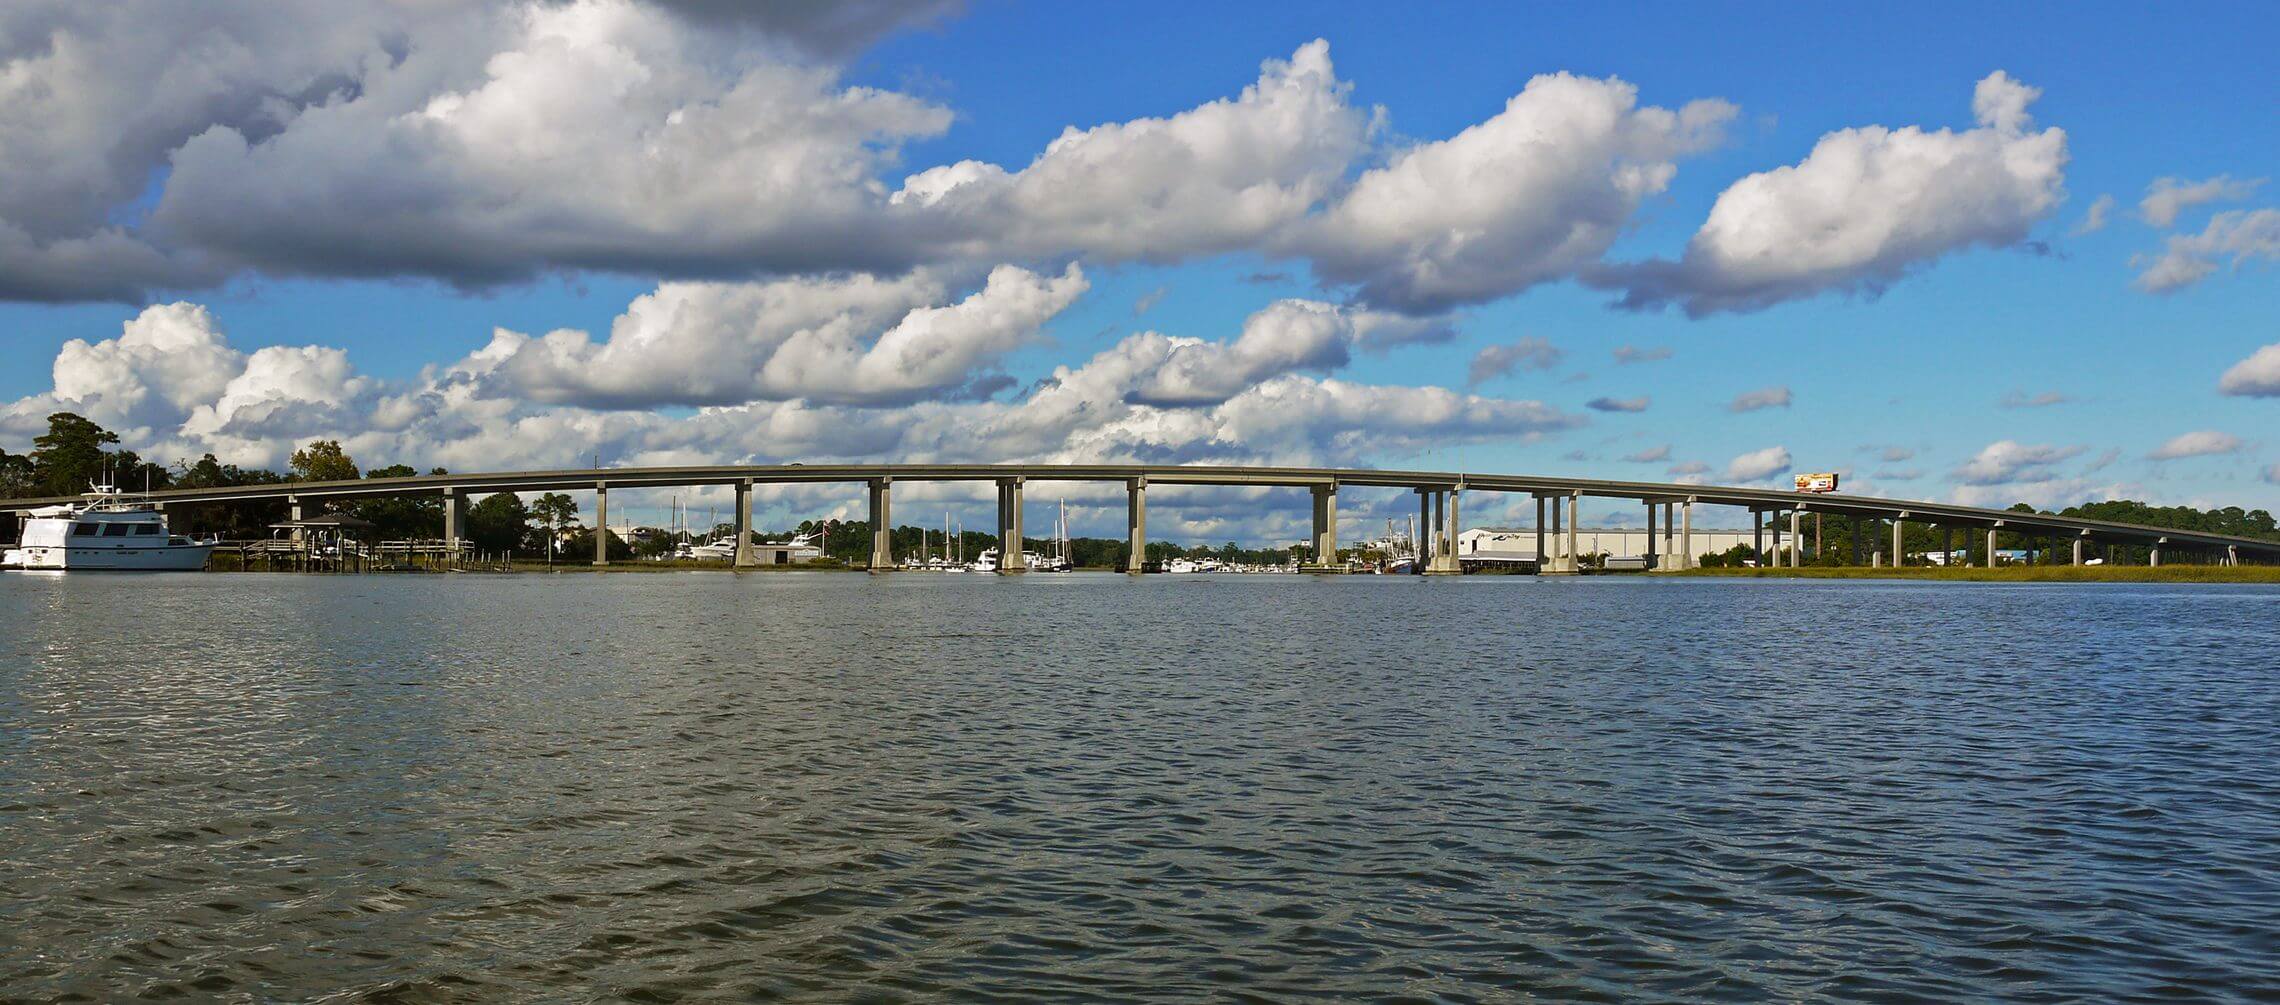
<point>154,558</point>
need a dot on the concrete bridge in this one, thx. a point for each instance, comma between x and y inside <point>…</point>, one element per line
<point>1438,494</point>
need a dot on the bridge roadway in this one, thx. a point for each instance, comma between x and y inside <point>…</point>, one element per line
<point>1438,494</point>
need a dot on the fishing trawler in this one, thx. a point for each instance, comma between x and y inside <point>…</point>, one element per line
<point>108,530</point>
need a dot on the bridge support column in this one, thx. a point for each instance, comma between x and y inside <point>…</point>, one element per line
<point>1439,527</point>
<point>1899,531</point>
<point>601,524</point>
<point>743,555</point>
<point>2232,554</point>
<point>454,519</point>
<point>1757,536</point>
<point>1456,530</point>
<point>1136,525</point>
<point>1686,557</point>
<point>1426,534</point>
<point>1990,547</point>
<point>1650,537</point>
<point>1574,516</point>
<point>2153,555</point>
<point>1670,535</point>
<point>1444,561</point>
<point>882,526</point>
<point>2078,551</point>
<point>1010,561</point>
<point>1542,560</point>
<point>1796,539</point>
<point>1325,540</point>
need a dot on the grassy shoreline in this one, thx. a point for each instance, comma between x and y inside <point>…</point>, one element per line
<point>2016,574</point>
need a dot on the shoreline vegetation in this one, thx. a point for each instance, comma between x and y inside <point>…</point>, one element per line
<point>1932,574</point>
<point>2010,573</point>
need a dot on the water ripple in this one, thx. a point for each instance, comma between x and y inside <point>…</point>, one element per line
<point>685,788</point>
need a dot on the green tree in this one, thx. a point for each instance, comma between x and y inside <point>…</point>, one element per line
<point>322,461</point>
<point>555,511</point>
<point>16,476</point>
<point>400,518</point>
<point>500,523</point>
<point>70,457</point>
<point>237,521</point>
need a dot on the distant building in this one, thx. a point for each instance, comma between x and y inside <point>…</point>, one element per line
<point>1516,546</point>
<point>785,554</point>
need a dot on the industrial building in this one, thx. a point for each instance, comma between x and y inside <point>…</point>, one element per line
<point>1626,547</point>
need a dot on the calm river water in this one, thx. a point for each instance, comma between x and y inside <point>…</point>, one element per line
<point>704,787</point>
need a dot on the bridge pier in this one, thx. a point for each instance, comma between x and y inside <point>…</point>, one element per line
<point>882,527</point>
<point>1574,547</point>
<point>1991,546</point>
<point>1136,525</point>
<point>454,518</point>
<point>743,556</point>
<point>1757,535</point>
<point>1686,556</point>
<point>1650,537</point>
<point>1899,534</point>
<point>1439,527</point>
<point>2153,554</point>
<point>2078,550</point>
<point>601,524</point>
<point>1010,562</point>
<point>1541,559</point>
<point>1438,509</point>
<point>1325,539</point>
<point>1796,539</point>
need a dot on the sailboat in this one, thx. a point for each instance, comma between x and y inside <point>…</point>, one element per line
<point>1058,561</point>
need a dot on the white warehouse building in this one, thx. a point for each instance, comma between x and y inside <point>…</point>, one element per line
<point>1484,546</point>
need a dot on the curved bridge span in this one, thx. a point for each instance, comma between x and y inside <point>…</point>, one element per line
<point>1438,493</point>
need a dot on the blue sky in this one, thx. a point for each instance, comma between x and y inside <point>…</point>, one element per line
<point>2031,306</point>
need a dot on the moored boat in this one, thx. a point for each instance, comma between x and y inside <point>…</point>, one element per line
<point>108,531</point>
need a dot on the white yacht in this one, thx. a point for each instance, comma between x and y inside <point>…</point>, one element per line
<point>987,561</point>
<point>722,550</point>
<point>108,531</point>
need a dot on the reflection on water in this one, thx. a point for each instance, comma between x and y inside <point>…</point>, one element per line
<point>710,787</point>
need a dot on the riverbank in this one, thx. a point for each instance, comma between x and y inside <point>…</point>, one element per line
<point>2017,573</point>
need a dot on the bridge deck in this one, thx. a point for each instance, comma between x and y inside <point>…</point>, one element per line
<point>666,477</point>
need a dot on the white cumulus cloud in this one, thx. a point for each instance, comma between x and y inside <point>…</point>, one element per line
<point>2094,220</point>
<point>2258,376</point>
<point>1218,177</point>
<point>2245,236</point>
<point>2009,461</point>
<point>1528,353</point>
<point>1865,208</point>
<point>1758,464</point>
<point>1762,398</point>
<point>1533,194</point>
<point>853,339</point>
<point>254,408</point>
<point>2166,197</point>
<point>2199,443</point>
